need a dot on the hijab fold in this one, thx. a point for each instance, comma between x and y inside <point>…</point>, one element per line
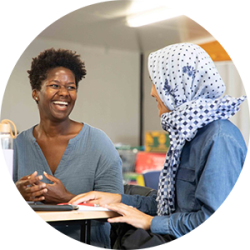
<point>190,86</point>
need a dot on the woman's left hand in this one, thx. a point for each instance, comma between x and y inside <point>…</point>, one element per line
<point>56,193</point>
<point>130,215</point>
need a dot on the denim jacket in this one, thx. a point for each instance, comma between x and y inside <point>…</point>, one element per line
<point>210,166</point>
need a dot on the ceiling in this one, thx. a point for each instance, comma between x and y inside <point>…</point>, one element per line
<point>104,24</point>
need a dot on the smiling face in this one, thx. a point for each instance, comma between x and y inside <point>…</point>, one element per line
<point>57,96</point>
<point>161,107</point>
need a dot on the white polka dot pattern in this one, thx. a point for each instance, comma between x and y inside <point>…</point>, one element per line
<point>184,72</point>
<point>189,85</point>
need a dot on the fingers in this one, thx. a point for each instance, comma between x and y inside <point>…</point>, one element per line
<point>33,178</point>
<point>34,174</point>
<point>35,192</point>
<point>35,199</point>
<point>96,197</point>
<point>24,182</point>
<point>27,177</point>
<point>37,196</point>
<point>50,177</point>
<point>120,208</point>
<point>130,215</point>
<point>120,219</point>
<point>87,197</point>
<point>33,189</point>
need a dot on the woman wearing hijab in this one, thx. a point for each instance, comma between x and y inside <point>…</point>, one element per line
<point>59,158</point>
<point>196,177</point>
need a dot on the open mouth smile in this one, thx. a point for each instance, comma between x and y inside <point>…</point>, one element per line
<point>60,105</point>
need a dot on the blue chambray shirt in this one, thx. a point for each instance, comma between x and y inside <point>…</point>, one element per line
<point>210,166</point>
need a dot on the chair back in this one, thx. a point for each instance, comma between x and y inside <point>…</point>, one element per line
<point>151,178</point>
<point>136,189</point>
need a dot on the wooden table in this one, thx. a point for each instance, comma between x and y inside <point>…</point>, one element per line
<point>82,218</point>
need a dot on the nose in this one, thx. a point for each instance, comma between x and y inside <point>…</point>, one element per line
<point>152,91</point>
<point>63,90</point>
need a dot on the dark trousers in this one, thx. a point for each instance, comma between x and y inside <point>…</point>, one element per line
<point>124,236</point>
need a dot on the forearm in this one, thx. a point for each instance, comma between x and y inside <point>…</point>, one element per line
<point>145,204</point>
<point>178,224</point>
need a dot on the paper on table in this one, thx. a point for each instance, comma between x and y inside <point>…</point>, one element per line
<point>90,208</point>
<point>87,207</point>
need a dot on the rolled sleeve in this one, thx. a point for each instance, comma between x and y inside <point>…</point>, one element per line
<point>210,166</point>
<point>160,224</point>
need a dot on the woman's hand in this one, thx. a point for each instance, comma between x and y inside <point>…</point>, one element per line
<point>130,215</point>
<point>95,197</point>
<point>57,193</point>
<point>31,187</point>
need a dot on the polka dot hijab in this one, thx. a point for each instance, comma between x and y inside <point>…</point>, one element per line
<point>190,86</point>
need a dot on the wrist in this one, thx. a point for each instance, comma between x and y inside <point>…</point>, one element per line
<point>149,220</point>
<point>68,197</point>
<point>118,198</point>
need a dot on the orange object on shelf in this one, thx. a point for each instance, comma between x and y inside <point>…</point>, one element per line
<point>215,51</point>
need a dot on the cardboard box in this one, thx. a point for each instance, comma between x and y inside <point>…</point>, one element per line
<point>149,161</point>
<point>156,141</point>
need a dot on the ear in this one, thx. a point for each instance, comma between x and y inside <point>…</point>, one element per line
<point>35,95</point>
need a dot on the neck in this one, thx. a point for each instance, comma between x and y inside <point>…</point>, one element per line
<point>52,129</point>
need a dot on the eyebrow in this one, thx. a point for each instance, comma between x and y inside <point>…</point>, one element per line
<point>56,81</point>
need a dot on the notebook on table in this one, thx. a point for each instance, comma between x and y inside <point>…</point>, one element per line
<point>39,206</point>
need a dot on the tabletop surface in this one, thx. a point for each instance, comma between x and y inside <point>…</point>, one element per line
<point>50,216</point>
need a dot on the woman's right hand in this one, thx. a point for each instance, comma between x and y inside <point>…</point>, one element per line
<point>31,187</point>
<point>95,197</point>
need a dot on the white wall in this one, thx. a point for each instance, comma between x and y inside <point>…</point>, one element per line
<point>151,120</point>
<point>235,88</point>
<point>108,97</point>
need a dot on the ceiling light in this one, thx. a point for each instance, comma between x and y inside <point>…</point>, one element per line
<point>138,6</point>
<point>152,16</point>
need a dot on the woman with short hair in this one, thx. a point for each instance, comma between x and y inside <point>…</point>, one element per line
<point>59,158</point>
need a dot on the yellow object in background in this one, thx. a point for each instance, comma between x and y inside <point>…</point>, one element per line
<point>133,178</point>
<point>140,180</point>
<point>156,141</point>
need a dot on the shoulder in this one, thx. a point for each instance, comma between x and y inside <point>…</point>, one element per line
<point>24,135</point>
<point>97,137</point>
<point>96,132</point>
<point>220,129</point>
<point>221,135</point>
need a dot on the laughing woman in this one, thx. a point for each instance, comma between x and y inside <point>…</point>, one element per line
<point>205,157</point>
<point>59,158</point>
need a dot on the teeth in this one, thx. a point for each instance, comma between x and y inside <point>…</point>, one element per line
<point>60,103</point>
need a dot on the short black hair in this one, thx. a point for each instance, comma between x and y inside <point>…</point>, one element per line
<point>52,58</point>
